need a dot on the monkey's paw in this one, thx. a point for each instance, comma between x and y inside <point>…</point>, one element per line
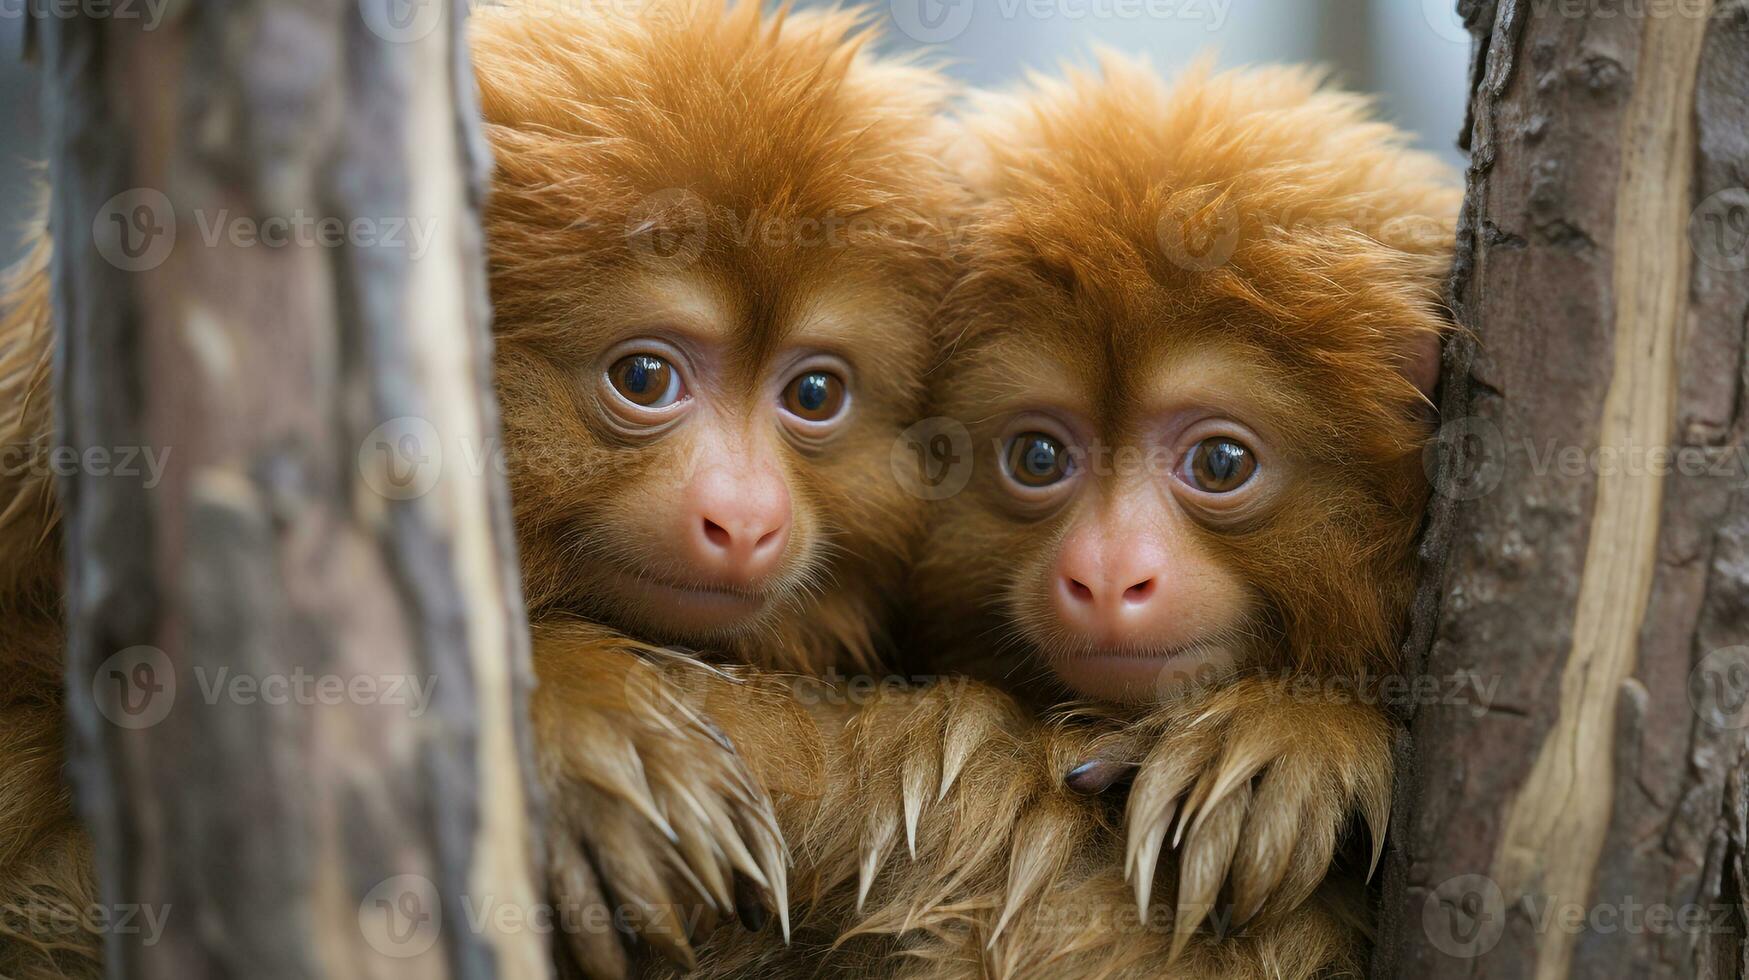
<point>658,825</point>
<point>1255,785</point>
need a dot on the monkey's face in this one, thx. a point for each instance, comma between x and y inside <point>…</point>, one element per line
<point>1111,518</point>
<point>1192,348</point>
<point>695,461</point>
<point>715,240</point>
<point>1165,489</point>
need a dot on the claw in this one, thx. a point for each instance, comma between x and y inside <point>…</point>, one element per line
<point>1145,840</point>
<point>917,779</point>
<point>1204,866</point>
<point>874,852</point>
<point>1039,851</point>
<point>774,859</point>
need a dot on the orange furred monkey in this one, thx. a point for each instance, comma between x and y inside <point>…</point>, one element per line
<point>1193,352</point>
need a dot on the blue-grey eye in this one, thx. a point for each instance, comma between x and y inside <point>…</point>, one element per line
<point>645,380</point>
<point>1219,465</point>
<point>1037,460</point>
<point>817,396</point>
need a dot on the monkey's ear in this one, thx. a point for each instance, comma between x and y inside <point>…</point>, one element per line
<point>1421,364</point>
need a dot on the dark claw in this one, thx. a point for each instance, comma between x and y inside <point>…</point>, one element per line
<point>750,905</point>
<point>1093,778</point>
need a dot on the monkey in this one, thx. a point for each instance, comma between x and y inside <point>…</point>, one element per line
<point>716,236</point>
<point>1193,353</point>
<point>714,239</point>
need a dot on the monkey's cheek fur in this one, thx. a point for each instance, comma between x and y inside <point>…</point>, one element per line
<point>1140,677</point>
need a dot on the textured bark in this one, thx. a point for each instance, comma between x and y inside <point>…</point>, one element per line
<point>294,533</point>
<point>1603,278</point>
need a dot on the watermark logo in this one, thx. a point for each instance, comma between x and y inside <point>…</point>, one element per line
<point>1447,23</point>
<point>1473,453</point>
<point>400,916</point>
<point>401,459</point>
<point>1718,688</point>
<point>932,21</point>
<point>1464,916</point>
<point>932,460</point>
<point>135,688</point>
<point>1718,231</point>
<point>1202,239</point>
<point>667,229</point>
<point>402,21</point>
<point>135,231</point>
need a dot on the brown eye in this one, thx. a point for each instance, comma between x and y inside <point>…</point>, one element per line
<point>1037,460</point>
<point>1219,465</point>
<point>817,396</point>
<point>645,380</point>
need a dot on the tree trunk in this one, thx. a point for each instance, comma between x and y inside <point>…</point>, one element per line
<point>297,652</point>
<point>1589,546</point>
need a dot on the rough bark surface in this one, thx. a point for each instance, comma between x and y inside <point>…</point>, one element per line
<point>1589,548</point>
<point>329,534</point>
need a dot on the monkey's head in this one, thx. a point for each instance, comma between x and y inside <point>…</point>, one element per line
<point>716,239</point>
<point>1193,351</point>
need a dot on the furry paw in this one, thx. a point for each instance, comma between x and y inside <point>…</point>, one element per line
<point>658,827</point>
<point>948,815</point>
<point>1255,786</point>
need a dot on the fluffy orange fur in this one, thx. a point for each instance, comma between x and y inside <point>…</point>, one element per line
<point>760,178</point>
<point>926,833</point>
<point>1318,303</point>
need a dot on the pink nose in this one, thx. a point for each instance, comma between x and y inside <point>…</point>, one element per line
<point>737,526</point>
<point>1112,602</point>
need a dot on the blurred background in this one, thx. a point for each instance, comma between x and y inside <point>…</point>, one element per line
<point>1412,53</point>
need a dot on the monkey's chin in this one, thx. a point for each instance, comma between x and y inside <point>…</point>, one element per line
<point>1139,677</point>
<point>686,613</point>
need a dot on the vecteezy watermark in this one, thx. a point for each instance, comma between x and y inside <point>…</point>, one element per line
<point>301,229</point>
<point>135,688</point>
<point>1718,688</point>
<point>668,228</point>
<point>42,921</point>
<point>138,687</point>
<point>940,21</point>
<point>932,460</point>
<point>1465,916</point>
<point>137,230</point>
<point>671,228</point>
<point>1198,236</point>
<point>1468,457</point>
<point>1718,231</point>
<point>401,916</point>
<point>150,13</point>
<point>123,462</point>
<point>300,687</point>
<point>402,459</point>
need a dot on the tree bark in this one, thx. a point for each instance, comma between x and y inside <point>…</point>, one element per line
<point>298,655</point>
<point>1589,545</point>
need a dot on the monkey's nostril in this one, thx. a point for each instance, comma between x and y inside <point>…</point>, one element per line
<point>1139,592</point>
<point>1080,591</point>
<point>767,539</point>
<point>717,534</point>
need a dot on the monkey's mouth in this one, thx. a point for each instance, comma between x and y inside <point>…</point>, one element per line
<point>690,607</point>
<point>1140,676</point>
